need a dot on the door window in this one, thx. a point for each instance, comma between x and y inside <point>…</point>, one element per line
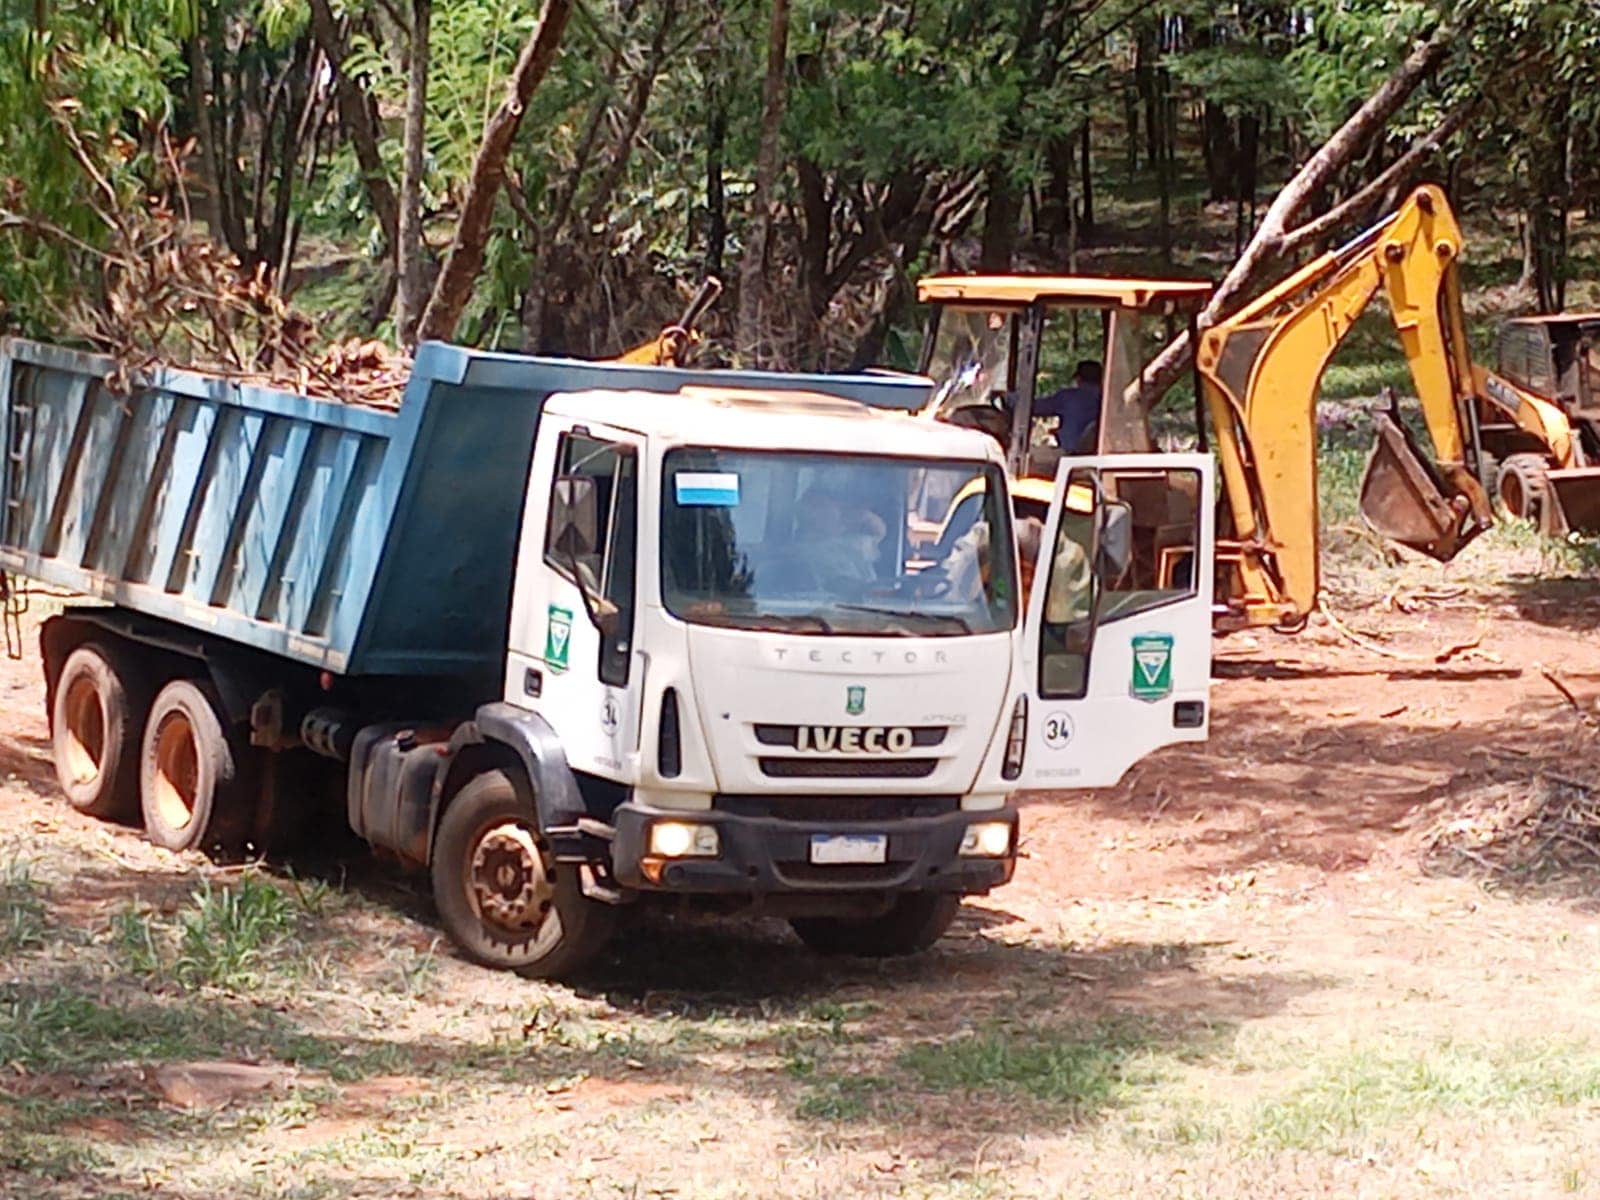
<point>1125,544</point>
<point>606,569</point>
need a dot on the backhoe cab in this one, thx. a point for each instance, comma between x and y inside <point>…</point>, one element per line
<point>1552,481</point>
<point>1054,367</point>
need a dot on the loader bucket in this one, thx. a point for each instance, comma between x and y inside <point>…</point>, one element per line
<point>1402,499</point>
<point>1577,493</point>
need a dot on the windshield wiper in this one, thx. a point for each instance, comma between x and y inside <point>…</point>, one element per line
<point>788,620</point>
<point>911,614</point>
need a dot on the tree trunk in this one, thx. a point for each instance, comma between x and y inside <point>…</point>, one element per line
<point>1085,227</point>
<point>751,292</point>
<point>409,239</point>
<point>1161,136</point>
<point>1220,151</point>
<point>1130,124</point>
<point>716,195</point>
<point>1055,217</point>
<point>1245,177</point>
<point>359,122</point>
<point>716,102</point>
<point>1000,215</point>
<point>1262,254</point>
<point>816,250</point>
<point>453,288</point>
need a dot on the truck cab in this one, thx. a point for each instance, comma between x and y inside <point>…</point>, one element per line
<point>767,689</point>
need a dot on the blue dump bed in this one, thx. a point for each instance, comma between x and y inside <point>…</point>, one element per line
<point>362,541</point>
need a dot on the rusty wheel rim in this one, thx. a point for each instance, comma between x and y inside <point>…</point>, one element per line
<point>86,731</point>
<point>177,782</point>
<point>510,888</point>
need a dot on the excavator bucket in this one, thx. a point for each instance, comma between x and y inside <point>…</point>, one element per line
<point>1577,493</point>
<point>1402,499</point>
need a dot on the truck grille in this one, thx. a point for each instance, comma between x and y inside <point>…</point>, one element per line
<point>789,735</point>
<point>848,768</point>
<point>836,808</point>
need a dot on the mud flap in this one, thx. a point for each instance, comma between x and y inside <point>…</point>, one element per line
<point>1577,495</point>
<point>1403,499</point>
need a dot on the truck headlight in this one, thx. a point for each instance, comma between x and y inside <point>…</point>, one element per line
<point>986,839</point>
<point>684,839</point>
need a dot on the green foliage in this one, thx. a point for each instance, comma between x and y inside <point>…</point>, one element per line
<point>103,71</point>
<point>22,907</point>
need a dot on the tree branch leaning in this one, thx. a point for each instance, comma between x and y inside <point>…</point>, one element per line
<point>454,285</point>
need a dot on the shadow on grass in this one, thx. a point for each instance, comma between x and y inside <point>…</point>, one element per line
<point>1571,605</point>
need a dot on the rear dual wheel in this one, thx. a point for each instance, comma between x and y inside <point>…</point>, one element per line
<point>96,717</point>
<point>189,785</point>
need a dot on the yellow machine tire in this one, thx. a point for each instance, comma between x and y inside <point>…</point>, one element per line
<point>1524,491</point>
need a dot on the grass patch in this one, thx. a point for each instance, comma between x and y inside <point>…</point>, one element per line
<point>1084,1070</point>
<point>842,1097</point>
<point>1369,1091</point>
<point>45,1155</point>
<point>22,907</point>
<point>227,937</point>
<point>59,1029</point>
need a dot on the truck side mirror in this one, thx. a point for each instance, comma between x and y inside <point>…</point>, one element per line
<point>575,517</point>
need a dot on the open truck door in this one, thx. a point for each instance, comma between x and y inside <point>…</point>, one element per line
<point>1117,652</point>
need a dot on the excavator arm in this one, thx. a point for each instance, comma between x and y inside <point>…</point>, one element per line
<point>1260,370</point>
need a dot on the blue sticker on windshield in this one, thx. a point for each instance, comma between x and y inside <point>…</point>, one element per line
<point>707,489</point>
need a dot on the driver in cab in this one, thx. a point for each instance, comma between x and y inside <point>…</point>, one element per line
<point>842,539</point>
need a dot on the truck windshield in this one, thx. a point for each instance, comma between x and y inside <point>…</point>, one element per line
<point>824,543</point>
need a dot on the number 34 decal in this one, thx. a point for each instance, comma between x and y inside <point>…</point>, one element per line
<point>1057,730</point>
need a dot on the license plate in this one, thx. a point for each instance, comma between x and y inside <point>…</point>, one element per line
<point>833,848</point>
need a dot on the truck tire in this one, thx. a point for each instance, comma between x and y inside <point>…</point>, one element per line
<point>190,788</point>
<point>502,900</point>
<point>96,717</point>
<point>1521,487</point>
<point>914,922</point>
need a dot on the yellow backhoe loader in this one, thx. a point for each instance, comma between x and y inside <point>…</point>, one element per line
<point>1000,348</point>
<point>1557,359</point>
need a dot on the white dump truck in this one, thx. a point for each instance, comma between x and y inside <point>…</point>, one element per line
<point>576,636</point>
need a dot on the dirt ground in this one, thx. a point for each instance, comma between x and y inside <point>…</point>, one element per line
<point>1343,948</point>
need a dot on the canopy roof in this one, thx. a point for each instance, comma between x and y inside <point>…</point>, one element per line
<point>1093,290</point>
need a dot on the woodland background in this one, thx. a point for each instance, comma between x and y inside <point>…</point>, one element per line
<point>581,164</point>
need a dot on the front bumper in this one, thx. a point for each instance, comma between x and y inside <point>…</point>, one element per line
<point>765,855</point>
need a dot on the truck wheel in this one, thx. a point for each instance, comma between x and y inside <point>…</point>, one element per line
<point>189,786</point>
<point>1523,489</point>
<point>914,923</point>
<point>502,899</point>
<point>95,722</point>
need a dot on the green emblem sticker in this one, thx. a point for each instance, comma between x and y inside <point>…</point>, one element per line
<point>558,638</point>
<point>855,701</point>
<point>1152,666</point>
